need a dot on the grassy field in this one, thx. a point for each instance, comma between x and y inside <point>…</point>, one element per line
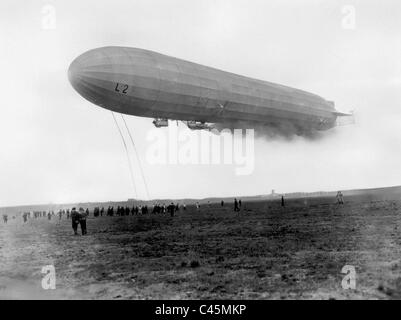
<point>265,252</point>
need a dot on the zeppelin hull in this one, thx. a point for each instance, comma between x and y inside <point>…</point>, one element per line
<point>148,84</point>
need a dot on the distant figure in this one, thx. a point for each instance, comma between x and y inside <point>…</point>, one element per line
<point>49,216</point>
<point>197,206</point>
<point>82,219</point>
<point>25,216</point>
<point>5,218</point>
<point>96,212</point>
<point>282,201</point>
<point>75,220</point>
<point>101,211</point>
<point>171,209</point>
<point>239,203</point>
<point>68,213</point>
<point>340,198</point>
<point>60,213</point>
<point>236,207</point>
<point>184,207</point>
<point>222,203</point>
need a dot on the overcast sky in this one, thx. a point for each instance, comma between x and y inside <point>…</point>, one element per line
<point>57,147</point>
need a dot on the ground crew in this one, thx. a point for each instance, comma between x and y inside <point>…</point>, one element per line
<point>75,220</point>
<point>171,209</point>
<point>5,218</point>
<point>340,198</point>
<point>236,207</point>
<point>82,219</point>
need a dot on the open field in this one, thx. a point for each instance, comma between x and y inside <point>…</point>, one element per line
<point>265,252</point>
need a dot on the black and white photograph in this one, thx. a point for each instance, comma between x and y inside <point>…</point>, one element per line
<point>193,150</point>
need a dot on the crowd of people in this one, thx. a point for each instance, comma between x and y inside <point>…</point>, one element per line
<point>137,210</point>
<point>78,217</point>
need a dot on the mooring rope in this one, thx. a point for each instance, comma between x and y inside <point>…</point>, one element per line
<point>127,153</point>
<point>138,158</point>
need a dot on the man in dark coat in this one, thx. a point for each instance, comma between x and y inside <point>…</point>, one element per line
<point>75,220</point>
<point>82,220</point>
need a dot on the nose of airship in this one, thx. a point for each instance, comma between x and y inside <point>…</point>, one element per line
<point>116,78</point>
<point>89,74</point>
<point>74,73</point>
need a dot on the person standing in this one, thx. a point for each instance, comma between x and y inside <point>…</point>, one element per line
<point>82,220</point>
<point>5,218</point>
<point>340,198</point>
<point>282,201</point>
<point>171,209</point>
<point>75,220</point>
<point>236,208</point>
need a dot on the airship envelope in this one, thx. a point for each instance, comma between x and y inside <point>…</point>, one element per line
<point>148,84</point>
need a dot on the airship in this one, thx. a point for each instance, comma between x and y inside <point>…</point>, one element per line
<point>148,84</point>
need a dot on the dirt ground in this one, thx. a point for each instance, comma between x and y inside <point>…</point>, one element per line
<point>265,252</point>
